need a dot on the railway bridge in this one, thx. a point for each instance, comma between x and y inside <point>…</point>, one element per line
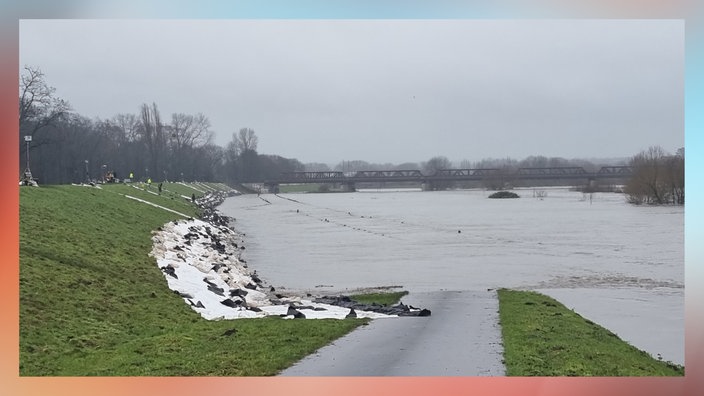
<point>348,180</point>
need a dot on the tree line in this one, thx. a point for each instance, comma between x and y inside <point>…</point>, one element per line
<point>67,147</point>
<point>441,162</point>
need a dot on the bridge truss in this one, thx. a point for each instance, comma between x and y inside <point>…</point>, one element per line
<point>448,175</point>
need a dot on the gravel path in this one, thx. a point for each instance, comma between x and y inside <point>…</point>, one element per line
<point>462,337</point>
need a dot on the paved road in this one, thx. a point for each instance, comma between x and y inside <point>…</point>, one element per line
<point>462,337</point>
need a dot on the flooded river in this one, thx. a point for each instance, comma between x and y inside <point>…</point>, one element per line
<point>619,265</point>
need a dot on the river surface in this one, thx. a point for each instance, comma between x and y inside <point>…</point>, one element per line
<point>619,265</point>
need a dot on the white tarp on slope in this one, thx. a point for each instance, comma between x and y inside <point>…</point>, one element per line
<point>200,262</point>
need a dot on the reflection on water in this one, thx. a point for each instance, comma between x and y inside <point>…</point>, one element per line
<point>461,240</point>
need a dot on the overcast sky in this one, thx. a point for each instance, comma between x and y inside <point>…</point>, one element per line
<point>383,90</point>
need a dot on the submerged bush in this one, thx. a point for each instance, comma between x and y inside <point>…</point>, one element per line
<point>503,194</point>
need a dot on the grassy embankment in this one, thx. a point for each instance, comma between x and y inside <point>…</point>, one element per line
<point>382,298</point>
<point>93,303</point>
<point>542,337</point>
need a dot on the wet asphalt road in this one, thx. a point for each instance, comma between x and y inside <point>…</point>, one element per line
<point>462,337</point>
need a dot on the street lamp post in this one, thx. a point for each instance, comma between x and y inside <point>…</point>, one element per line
<point>27,176</point>
<point>27,139</point>
<point>87,176</point>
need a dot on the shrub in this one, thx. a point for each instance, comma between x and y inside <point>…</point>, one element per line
<point>504,194</point>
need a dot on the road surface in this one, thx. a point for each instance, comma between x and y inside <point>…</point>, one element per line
<point>462,337</point>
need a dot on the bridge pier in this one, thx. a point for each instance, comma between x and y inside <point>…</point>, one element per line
<point>348,187</point>
<point>429,186</point>
<point>436,185</point>
<point>273,188</point>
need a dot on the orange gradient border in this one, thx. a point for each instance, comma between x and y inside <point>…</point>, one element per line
<point>12,384</point>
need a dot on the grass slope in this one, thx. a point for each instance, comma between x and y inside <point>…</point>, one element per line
<point>383,298</point>
<point>93,303</point>
<point>543,338</point>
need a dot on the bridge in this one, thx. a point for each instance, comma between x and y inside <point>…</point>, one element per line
<point>349,179</point>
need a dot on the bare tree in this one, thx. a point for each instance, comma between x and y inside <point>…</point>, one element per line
<point>188,130</point>
<point>186,134</point>
<point>39,111</point>
<point>407,166</point>
<point>246,140</point>
<point>494,163</point>
<point>272,166</point>
<point>39,107</point>
<point>153,134</point>
<point>316,167</point>
<point>354,166</point>
<point>435,164</point>
<point>129,124</point>
<point>204,162</point>
<point>432,167</point>
<point>534,161</point>
<point>241,156</point>
<point>131,153</point>
<point>675,176</point>
<point>658,178</point>
<point>465,164</point>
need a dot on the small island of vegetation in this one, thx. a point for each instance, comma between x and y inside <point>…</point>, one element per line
<point>504,194</point>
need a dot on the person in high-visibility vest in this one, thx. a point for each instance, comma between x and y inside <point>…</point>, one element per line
<point>131,176</point>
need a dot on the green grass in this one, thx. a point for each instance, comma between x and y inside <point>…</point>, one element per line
<point>542,337</point>
<point>92,302</point>
<point>384,298</point>
<point>167,198</point>
<point>180,190</point>
<point>216,186</point>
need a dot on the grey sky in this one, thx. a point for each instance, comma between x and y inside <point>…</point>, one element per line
<point>383,90</point>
